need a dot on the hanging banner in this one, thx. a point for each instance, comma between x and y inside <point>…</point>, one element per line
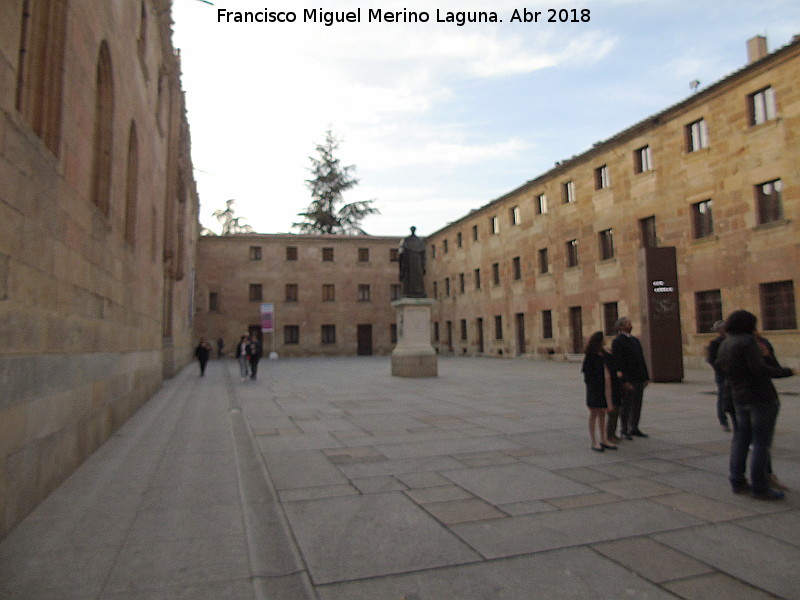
<point>267,317</point>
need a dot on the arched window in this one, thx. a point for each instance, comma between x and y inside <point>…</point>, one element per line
<point>40,68</point>
<point>132,186</point>
<point>103,130</point>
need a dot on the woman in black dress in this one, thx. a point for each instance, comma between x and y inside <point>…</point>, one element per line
<point>600,389</point>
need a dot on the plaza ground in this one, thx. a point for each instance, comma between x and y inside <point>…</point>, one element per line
<point>331,479</point>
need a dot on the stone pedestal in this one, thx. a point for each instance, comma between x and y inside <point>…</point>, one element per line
<point>414,356</point>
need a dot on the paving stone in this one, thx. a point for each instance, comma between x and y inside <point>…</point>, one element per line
<point>716,585</point>
<point>368,536</point>
<point>761,561</point>
<point>702,507</point>
<point>650,559</point>
<point>635,488</point>
<point>453,512</point>
<point>571,574</point>
<point>586,525</point>
<point>438,494</point>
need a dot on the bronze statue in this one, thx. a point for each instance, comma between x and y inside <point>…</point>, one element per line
<point>412,266</point>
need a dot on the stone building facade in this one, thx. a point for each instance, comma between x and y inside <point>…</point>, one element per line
<point>716,176</point>
<point>331,295</point>
<point>98,230</point>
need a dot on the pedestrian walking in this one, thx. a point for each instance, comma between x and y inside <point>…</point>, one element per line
<point>254,353</point>
<point>203,352</point>
<point>241,356</point>
<point>724,404</point>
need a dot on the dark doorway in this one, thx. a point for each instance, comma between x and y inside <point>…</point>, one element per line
<point>576,327</point>
<point>520,333</point>
<point>480,335</point>
<point>365,340</point>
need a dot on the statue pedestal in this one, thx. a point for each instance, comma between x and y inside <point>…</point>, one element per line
<point>414,356</point>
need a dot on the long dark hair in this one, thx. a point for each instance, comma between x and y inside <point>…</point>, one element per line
<point>595,344</point>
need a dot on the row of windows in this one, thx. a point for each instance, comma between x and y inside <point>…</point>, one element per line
<point>291,334</point>
<point>761,108</point>
<point>327,254</point>
<point>777,300</point>
<point>292,293</point>
<point>769,205</point>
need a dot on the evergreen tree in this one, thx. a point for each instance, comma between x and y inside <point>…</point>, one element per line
<point>329,181</point>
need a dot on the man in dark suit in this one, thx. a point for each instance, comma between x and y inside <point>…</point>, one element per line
<point>632,371</point>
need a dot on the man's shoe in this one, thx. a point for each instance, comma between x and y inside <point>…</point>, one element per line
<point>640,434</point>
<point>628,437</point>
<point>741,488</point>
<point>769,494</point>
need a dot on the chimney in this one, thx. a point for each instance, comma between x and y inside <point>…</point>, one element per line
<point>756,48</point>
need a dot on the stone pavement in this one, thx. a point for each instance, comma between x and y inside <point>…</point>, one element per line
<point>330,479</point>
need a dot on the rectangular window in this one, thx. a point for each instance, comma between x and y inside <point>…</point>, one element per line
<point>291,252</point>
<point>702,219</point>
<point>255,292</point>
<point>515,215</point>
<point>547,324</point>
<point>393,333</point>
<point>328,292</point>
<point>606,239</point>
<point>463,330</point>
<point>769,201</point>
<point>363,292</point>
<point>496,274</point>
<point>213,302</point>
<point>363,255</point>
<point>761,106</point>
<point>647,229</point>
<point>445,247</point>
<point>516,268</point>
<point>459,240</point>
<point>255,252</point>
<point>477,279</point>
<point>291,334</point>
<point>475,233</point>
<point>394,291</point>
<point>610,316</point>
<point>540,203</point>
<point>568,192</point>
<point>436,331</point>
<point>544,262</point>
<point>328,334</point>
<point>291,292</point>
<point>461,283</point>
<point>498,327</point>
<point>572,253</point>
<point>707,309</point>
<point>327,254</point>
<point>447,287</point>
<point>394,255</point>
<point>433,251</point>
<point>601,180</point>
<point>642,159</point>
<point>494,225</point>
<point>696,136</point>
<point>777,305</point>
<point>435,289</point>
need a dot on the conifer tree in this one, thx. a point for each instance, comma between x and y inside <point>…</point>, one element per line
<point>328,183</point>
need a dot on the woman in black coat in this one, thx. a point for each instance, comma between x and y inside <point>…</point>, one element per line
<point>601,389</point>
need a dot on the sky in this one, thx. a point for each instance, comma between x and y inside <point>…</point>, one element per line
<point>437,118</point>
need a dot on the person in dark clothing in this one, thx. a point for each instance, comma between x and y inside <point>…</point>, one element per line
<point>724,404</point>
<point>203,352</point>
<point>632,373</point>
<point>755,400</point>
<point>600,379</point>
<point>254,355</point>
